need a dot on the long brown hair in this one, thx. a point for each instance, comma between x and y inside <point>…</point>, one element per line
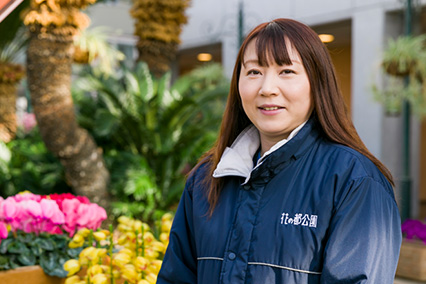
<point>329,107</point>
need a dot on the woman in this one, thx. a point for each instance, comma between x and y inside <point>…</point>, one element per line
<point>289,193</point>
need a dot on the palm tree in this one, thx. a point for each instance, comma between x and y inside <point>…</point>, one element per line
<point>52,25</point>
<point>12,42</point>
<point>10,75</point>
<point>158,26</point>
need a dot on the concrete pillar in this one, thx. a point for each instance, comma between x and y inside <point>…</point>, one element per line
<point>367,43</point>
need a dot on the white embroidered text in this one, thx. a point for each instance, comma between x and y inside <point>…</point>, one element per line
<point>299,219</point>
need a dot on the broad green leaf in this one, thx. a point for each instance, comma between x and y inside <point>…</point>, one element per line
<point>105,123</point>
<point>48,261</point>
<point>27,259</point>
<point>46,244</point>
<point>13,262</point>
<point>5,245</point>
<point>36,250</point>
<point>17,247</point>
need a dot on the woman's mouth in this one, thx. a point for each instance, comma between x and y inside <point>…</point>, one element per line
<point>270,109</point>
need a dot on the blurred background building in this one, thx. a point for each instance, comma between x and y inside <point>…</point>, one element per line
<point>356,32</point>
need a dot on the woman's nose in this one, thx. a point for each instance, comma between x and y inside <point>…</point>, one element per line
<point>269,86</point>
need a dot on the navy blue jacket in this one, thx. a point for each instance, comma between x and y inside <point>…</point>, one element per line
<point>312,212</point>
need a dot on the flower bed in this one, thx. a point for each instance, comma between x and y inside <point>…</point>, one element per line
<point>412,259</point>
<point>131,254</point>
<point>35,229</point>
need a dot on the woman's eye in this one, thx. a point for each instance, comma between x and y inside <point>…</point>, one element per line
<point>287,71</point>
<point>253,72</point>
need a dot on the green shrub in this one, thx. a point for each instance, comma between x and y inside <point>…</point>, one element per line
<point>152,131</point>
<point>26,164</point>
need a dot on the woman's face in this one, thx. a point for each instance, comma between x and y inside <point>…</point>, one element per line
<point>276,98</point>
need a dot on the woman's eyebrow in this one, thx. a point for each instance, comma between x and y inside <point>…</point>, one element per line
<point>254,61</point>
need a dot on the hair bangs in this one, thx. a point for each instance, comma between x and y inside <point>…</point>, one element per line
<point>271,45</point>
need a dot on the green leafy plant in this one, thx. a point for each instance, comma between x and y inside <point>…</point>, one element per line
<point>404,60</point>
<point>47,250</point>
<point>25,164</point>
<point>405,55</point>
<point>164,126</point>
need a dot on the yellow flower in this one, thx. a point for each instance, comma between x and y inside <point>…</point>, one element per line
<point>166,226</point>
<point>129,273</point>
<point>151,278</point>
<point>99,236</point>
<point>154,267</point>
<point>167,217</point>
<point>137,225</point>
<point>78,238</point>
<point>91,254</point>
<point>141,263</point>
<point>99,279</point>
<point>87,252</point>
<point>148,237</point>
<point>77,241</point>
<point>116,274</point>
<point>123,227</point>
<point>84,232</point>
<point>72,266</point>
<point>72,280</point>
<point>94,270</point>
<point>124,220</point>
<point>143,281</point>
<point>122,240</point>
<point>158,246</point>
<point>73,244</point>
<point>164,237</point>
<point>121,259</point>
<point>151,254</point>
<point>126,251</point>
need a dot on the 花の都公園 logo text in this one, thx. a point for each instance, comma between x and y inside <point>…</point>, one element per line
<point>299,219</point>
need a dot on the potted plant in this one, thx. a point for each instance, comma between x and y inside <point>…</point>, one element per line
<point>405,55</point>
<point>130,254</point>
<point>412,260</point>
<point>35,231</point>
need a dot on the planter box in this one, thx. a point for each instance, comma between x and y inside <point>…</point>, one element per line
<point>28,275</point>
<point>412,260</point>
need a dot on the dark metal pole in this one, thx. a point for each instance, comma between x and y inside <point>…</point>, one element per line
<point>240,24</point>
<point>406,178</point>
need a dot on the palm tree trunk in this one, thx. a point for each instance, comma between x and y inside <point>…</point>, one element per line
<point>7,111</point>
<point>49,59</point>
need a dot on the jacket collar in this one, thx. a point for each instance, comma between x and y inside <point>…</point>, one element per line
<point>237,160</point>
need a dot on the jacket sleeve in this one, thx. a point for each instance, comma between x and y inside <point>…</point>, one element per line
<point>180,262</point>
<point>364,236</point>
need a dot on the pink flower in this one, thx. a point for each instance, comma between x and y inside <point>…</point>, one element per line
<point>59,198</point>
<point>9,209</point>
<point>32,207</point>
<point>26,196</point>
<point>29,121</point>
<point>70,208</point>
<point>3,231</point>
<point>52,214</point>
<point>50,210</point>
<point>90,215</point>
